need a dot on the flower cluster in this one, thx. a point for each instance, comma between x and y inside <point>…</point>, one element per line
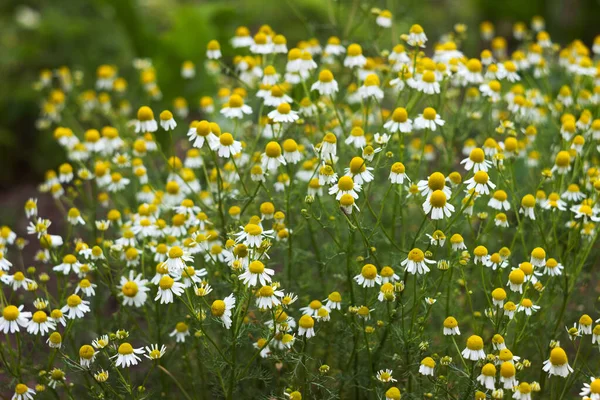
<point>338,220</point>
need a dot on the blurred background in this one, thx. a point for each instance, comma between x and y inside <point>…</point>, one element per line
<point>86,33</point>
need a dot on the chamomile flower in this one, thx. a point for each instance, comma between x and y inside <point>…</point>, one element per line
<point>306,326</point>
<point>451,326</point>
<point>557,363</point>
<point>75,307</point>
<point>133,289</point>
<point>167,289</point>
<point>23,392</point>
<point>256,273</point>
<point>180,332</point>
<point>429,119</point>
<point>416,263</point>
<point>591,390</point>
<point>487,378</point>
<point>222,309</point>
<point>368,276</point>
<point>153,352</point>
<point>12,318</point>
<point>385,376</point>
<point>437,205</point>
<point>345,185</point>
<point>474,350</point>
<point>127,355</point>
<point>427,367</point>
<point>145,120</point>
<point>326,85</point>
<point>416,36</point>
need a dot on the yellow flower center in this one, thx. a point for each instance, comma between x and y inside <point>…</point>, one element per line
<point>125,349</point>
<point>10,313</point>
<point>217,308</point>
<point>73,300</point>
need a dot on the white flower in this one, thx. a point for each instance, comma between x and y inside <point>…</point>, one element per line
<point>222,309</point>
<point>13,317</point>
<point>255,273</point>
<point>416,263</point>
<point>133,289</point>
<point>167,287</point>
<point>127,355</point>
<point>75,308</point>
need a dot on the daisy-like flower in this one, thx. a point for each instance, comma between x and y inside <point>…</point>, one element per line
<point>385,375</point>
<point>429,119</point>
<point>398,174</point>
<point>487,378</point>
<point>334,301</point>
<point>538,257</point>
<point>508,375</point>
<point>306,326</point>
<point>180,332</point>
<point>393,393</point>
<point>357,138</point>
<point>40,324</point>
<point>435,181</point>
<point>386,292</point>
<point>585,212</point>
<point>427,366</point>
<point>86,287</point>
<point>167,122</point>
<point>499,201</point>
<point>222,309</point>
<point>527,307</point>
<point>87,355</point>
<point>345,185</point>
<point>359,171</point>
<point>585,324</point>
<point>354,57</point>
<point>177,261</point>
<point>368,276</point>
<point>371,88</point>
<point>39,227</point>
<point>416,263</point>
<point>428,84</point>
<point>384,19</point>
<point>527,206</point>
<point>145,120</point>
<point>522,391</point>
<point>480,182</point>
<point>252,235</point>
<point>416,36</point>
<point>204,132</point>
<point>451,326</point>
<point>291,152</point>
<point>552,267</point>
<point>13,317</point>
<point>399,121</point>
<point>153,352</point>
<point>516,278</point>
<point>75,307</point>
<point>127,355</point>
<point>167,289</point>
<point>23,392</point>
<point>437,205</point>
<point>268,297</point>
<point>228,146</point>
<point>133,289</point>
<point>591,390</point>
<point>558,363</point>
<point>284,113</point>
<point>573,193</point>
<point>74,217</point>
<point>213,50</point>
<point>255,273</point>
<point>235,108</point>
<point>326,85</point>
<point>101,342</point>
<point>474,350</point>
<point>476,161</point>
<point>272,158</point>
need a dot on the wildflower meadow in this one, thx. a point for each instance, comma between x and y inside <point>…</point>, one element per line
<point>339,219</point>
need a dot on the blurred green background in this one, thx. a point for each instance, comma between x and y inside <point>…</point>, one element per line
<point>86,33</point>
